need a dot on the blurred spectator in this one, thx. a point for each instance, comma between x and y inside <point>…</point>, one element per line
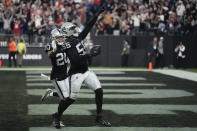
<point>88,46</point>
<point>160,58</point>
<point>17,29</point>
<point>180,57</point>
<point>121,17</point>
<point>12,52</point>
<point>136,22</point>
<point>1,23</point>
<point>21,50</point>
<point>100,26</point>
<point>180,9</point>
<point>161,27</point>
<point>125,53</point>
<point>152,52</point>
<point>59,20</point>
<point>6,24</point>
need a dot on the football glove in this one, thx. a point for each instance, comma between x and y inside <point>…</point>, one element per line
<point>96,50</point>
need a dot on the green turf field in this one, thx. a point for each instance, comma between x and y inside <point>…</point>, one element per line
<point>133,101</point>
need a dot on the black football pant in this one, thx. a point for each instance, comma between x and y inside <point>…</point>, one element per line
<point>12,55</point>
<point>124,60</point>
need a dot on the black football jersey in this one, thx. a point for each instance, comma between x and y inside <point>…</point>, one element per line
<point>59,63</point>
<point>75,49</point>
<point>77,55</point>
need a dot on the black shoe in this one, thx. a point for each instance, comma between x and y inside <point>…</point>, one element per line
<point>102,122</point>
<point>56,121</point>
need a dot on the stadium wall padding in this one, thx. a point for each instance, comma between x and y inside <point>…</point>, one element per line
<point>35,56</point>
<point>111,50</point>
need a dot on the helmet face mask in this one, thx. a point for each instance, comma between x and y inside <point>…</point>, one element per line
<point>60,40</point>
<point>74,31</point>
<point>57,36</point>
<point>69,29</point>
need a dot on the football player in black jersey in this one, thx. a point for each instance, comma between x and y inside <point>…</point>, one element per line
<point>78,72</point>
<point>59,75</point>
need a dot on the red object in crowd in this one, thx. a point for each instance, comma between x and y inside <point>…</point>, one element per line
<point>0,63</point>
<point>59,20</point>
<point>175,19</point>
<point>103,26</point>
<point>59,4</point>
<point>97,2</point>
<point>8,3</point>
<point>81,16</point>
<point>17,28</point>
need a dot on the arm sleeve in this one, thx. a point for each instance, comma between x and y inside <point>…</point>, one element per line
<point>90,24</point>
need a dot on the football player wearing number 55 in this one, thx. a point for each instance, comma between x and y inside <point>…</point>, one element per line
<point>79,72</point>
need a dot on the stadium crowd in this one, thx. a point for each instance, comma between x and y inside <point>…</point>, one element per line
<point>122,17</point>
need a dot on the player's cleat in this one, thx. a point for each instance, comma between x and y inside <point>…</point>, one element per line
<point>46,94</point>
<point>102,122</point>
<point>56,121</point>
<point>62,124</point>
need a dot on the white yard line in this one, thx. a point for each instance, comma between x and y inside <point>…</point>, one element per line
<point>179,73</point>
<point>97,72</point>
<point>104,78</point>
<point>102,84</point>
<point>114,129</point>
<point>131,93</point>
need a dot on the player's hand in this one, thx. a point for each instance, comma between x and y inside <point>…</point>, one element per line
<point>54,46</point>
<point>96,50</point>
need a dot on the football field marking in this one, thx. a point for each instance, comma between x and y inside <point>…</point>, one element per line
<point>123,109</point>
<point>179,74</point>
<point>97,72</point>
<point>102,84</point>
<point>134,93</point>
<point>30,78</point>
<point>114,129</point>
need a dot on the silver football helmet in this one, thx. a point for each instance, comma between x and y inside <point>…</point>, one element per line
<point>70,29</point>
<point>57,36</point>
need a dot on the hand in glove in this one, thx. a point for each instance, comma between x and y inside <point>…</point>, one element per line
<point>96,50</point>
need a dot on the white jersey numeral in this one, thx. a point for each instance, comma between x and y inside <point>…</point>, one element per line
<point>67,45</point>
<point>61,59</point>
<point>81,49</point>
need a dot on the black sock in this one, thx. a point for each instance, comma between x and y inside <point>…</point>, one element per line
<point>55,94</point>
<point>63,105</point>
<point>99,100</point>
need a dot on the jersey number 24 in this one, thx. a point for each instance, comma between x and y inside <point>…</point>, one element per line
<point>61,59</point>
